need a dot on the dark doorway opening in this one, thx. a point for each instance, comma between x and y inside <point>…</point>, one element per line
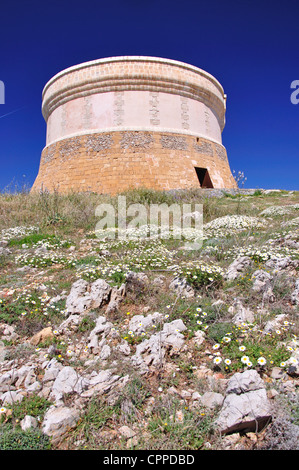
<point>204,177</point>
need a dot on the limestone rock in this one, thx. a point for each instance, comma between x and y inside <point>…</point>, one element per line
<point>126,432</point>
<point>84,296</point>
<point>246,406</point>
<point>237,267</point>
<point>241,313</point>
<point>211,399</point>
<point>140,323</point>
<point>243,382</point>
<point>116,297</point>
<point>8,332</point>
<point>274,324</point>
<point>199,337</point>
<point>282,264</point>
<point>159,281</point>
<point>103,327</point>
<point>43,335</point>
<point>152,351</point>
<point>261,280</point>
<point>68,381</point>
<point>4,251</point>
<point>100,292</point>
<point>10,397</point>
<point>295,294</point>
<point>78,301</point>
<point>100,383</point>
<point>182,288</point>
<point>58,420</point>
<point>28,422</point>
<point>52,369</point>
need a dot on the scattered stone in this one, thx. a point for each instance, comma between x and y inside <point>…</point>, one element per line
<point>159,281</point>
<point>246,406</point>
<point>4,251</point>
<point>243,382</point>
<point>274,324</point>
<point>126,432</point>
<point>261,280</point>
<point>152,351</point>
<point>8,332</point>
<point>281,264</point>
<point>116,297</point>
<point>101,382</point>
<point>237,267</point>
<point>124,348</point>
<point>59,420</point>
<point>293,370</point>
<point>10,397</point>
<point>68,381</point>
<point>28,422</point>
<point>102,328</point>
<point>182,288</point>
<point>84,296</point>
<point>199,337</point>
<point>241,313</point>
<point>295,294</point>
<point>212,399</point>
<point>42,336</point>
<point>52,369</point>
<point>140,323</point>
<point>277,373</point>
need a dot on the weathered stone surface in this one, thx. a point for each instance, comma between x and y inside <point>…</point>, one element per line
<point>274,324</point>
<point>116,297</point>
<point>102,328</point>
<point>52,369</point>
<point>241,313</point>
<point>152,351</point>
<point>84,296</point>
<point>242,382</point>
<point>261,280</point>
<point>211,399</point>
<point>136,281</point>
<point>182,288</point>
<point>68,381</point>
<point>78,301</point>
<point>237,267</point>
<point>4,251</point>
<point>245,412</point>
<point>246,406</point>
<point>295,294</point>
<point>100,383</point>
<point>140,323</point>
<point>29,422</point>
<point>10,397</point>
<point>58,420</point>
<point>100,292</point>
<point>43,335</point>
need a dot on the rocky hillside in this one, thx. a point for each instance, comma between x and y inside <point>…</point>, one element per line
<point>142,343</point>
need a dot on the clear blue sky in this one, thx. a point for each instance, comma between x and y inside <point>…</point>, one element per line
<point>251,47</point>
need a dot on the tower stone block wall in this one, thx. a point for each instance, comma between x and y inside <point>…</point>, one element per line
<point>125,122</point>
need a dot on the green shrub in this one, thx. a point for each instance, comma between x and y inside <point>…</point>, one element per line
<point>218,330</point>
<point>31,405</point>
<point>16,439</point>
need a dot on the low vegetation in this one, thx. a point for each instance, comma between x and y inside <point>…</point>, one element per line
<point>48,242</point>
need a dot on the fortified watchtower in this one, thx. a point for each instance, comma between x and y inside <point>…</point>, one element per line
<point>125,122</point>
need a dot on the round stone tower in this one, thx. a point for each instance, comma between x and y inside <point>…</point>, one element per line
<point>125,122</point>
